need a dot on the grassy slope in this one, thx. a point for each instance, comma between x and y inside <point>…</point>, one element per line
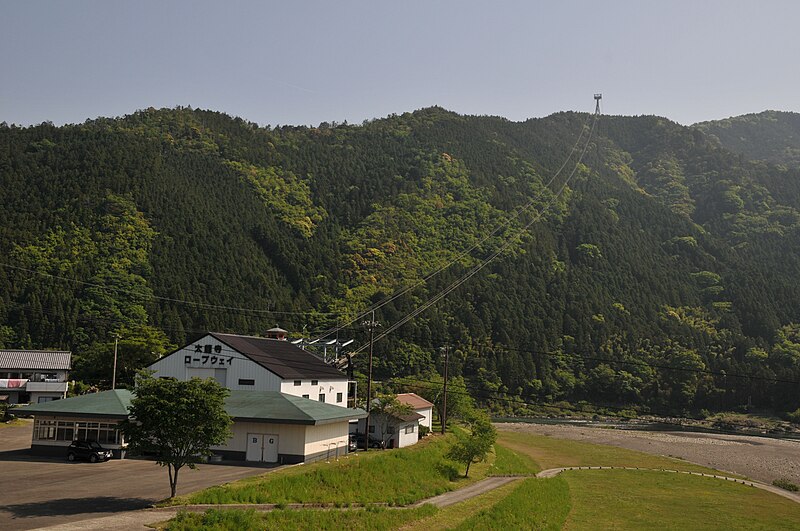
<point>396,477</point>
<point>238,520</point>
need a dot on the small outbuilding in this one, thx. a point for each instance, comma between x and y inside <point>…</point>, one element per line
<point>420,406</point>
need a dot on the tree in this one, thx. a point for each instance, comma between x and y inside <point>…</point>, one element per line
<point>459,402</point>
<point>178,421</point>
<point>474,448</point>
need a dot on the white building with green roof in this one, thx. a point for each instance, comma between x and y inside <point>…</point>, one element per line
<point>269,426</point>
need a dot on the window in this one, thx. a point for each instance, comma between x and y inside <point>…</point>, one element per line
<point>305,396</point>
<point>338,398</point>
<point>410,428</point>
<point>108,434</point>
<point>314,382</point>
<point>245,381</point>
<point>65,431</point>
<point>372,428</point>
<point>45,430</point>
<point>297,383</point>
<point>322,397</point>
<point>87,431</point>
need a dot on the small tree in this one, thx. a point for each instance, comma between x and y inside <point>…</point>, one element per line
<point>474,448</point>
<point>177,421</point>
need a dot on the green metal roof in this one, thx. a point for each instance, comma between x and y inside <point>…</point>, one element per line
<point>104,404</point>
<point>256,406</point>
<point>275,407</point>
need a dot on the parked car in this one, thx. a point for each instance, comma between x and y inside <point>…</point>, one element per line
<point>88,450</point>
<point>359,441</point>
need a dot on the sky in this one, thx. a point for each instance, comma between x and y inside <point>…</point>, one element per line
<point>307,62</point>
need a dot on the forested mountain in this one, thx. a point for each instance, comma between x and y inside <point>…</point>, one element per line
<point>662,278</point>
<point>772,136</point>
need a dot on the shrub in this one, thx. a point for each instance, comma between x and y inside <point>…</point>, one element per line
<point>785,484</point>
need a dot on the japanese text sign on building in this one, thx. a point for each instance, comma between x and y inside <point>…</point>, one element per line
<point>206,355</point>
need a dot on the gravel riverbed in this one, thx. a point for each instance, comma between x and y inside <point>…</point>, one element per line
<point>758,458</point>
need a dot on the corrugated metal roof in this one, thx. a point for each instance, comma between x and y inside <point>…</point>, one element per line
<point>258,406</point>
<point>104,404</point>
<point>288,361</point>
<point>35,360</point>
<point>413,400</point>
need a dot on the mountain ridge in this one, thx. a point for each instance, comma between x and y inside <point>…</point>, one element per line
<point>666,248</point>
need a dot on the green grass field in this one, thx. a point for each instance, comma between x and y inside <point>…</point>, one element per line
<point>632,499</point>
<point>575,500</point>
<point>541,504</point>
<point>396,477</point>
<point>249,520</point>
<point>549,452</point>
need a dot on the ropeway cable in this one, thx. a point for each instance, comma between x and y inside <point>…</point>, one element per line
<point>517,212</point>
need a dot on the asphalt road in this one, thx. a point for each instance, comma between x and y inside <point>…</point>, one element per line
<point>39,492</point>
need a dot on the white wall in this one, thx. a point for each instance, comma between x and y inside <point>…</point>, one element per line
<point>327,437</point>
<point>236,366</point>
<point>291,437</point>
<point>427,416</point>
<point>386,428</point>
<point>329,387</point>
<point>403,439</point>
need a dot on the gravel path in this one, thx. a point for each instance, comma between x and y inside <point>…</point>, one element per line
<point>758,458</point>
<point>476,489</point>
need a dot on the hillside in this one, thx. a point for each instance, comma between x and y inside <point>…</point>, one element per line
<point>665,249</point>
<point>772,136</point>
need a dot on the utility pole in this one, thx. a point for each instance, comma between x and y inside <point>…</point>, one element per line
<point>444,399</point>
<point>371,325</point>
<point>114,375</point>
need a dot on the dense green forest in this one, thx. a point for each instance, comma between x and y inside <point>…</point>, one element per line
<point>772,136</point>
<point>663,278</point>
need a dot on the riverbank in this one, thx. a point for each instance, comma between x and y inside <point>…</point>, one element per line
<point>759,458</point>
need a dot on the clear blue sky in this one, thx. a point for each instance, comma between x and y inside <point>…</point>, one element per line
<point>296,62</point>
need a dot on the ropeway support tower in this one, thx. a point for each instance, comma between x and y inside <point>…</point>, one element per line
<point>597,98</point>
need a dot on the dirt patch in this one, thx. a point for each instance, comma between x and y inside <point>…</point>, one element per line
<point>754,457</point>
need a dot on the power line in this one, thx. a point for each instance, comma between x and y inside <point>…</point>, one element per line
<point>433,300</point>
<point>517,212</point>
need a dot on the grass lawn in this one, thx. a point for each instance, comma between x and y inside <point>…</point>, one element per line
<point>549,452</point>
<point>632,499</point>
<point>236,520</point>
<point>453,515</point>
<point>396,477</point>
<point>575,500</point>
<point>541,504</point>
<point>508,463</point>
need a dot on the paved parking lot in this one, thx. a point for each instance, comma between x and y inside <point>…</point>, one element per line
<point>39,491</point>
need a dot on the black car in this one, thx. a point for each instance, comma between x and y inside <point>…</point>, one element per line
<point>358,439</point>
<point>87,450</point>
